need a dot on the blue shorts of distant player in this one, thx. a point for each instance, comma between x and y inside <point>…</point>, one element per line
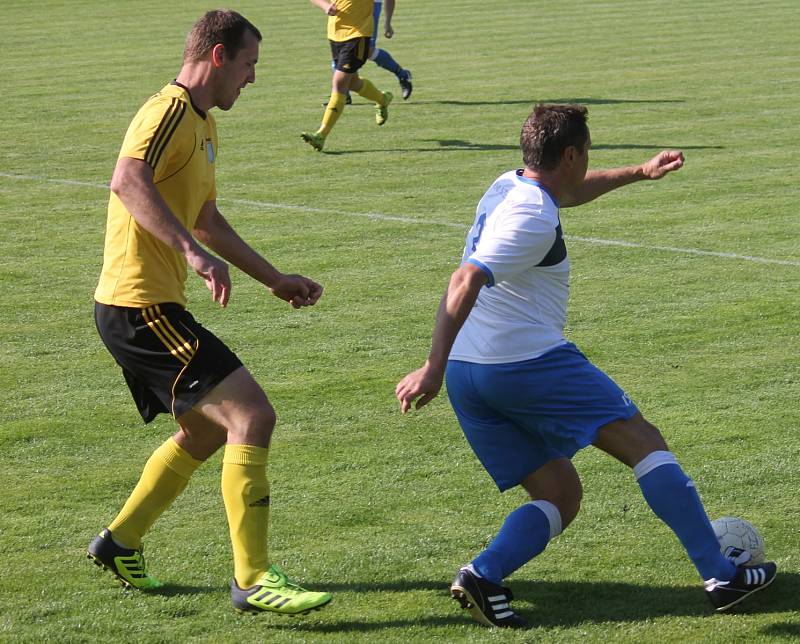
<point>518,416</point>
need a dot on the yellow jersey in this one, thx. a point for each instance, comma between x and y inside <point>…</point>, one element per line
<point>353,19</point>
<point>179,142</point>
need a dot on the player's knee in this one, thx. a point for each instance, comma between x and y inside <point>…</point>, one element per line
<point>263,420</point>
<point>558,483</point>
<point>254,427</point>
<point>567,501</point>
<point>569,507</point>
<point>630,440</point>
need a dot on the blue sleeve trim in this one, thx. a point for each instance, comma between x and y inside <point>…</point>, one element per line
<point>485,269</point>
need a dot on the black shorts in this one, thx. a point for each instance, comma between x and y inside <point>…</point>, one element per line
<point>168,359</point>
<point>350,55</point>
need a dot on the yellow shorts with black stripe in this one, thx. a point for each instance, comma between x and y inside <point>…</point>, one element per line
<point>169,360</point>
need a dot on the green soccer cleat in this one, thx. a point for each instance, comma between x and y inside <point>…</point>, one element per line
<point>126,565</point>
<point>382,111</point>
<point>274,593</point>
<point>315,140</point>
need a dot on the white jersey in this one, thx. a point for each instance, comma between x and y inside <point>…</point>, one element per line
<point>517,241</point>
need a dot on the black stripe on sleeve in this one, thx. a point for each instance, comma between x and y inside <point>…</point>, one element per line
<point>159,131</point>
<point>164,132</point>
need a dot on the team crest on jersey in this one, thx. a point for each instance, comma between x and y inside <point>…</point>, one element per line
<point>209,150</point>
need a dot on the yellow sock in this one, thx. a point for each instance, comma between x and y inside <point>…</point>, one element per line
<point>370,92</point>
<point>164,477</point>
<point>245,491</point>
<point>332,112</point>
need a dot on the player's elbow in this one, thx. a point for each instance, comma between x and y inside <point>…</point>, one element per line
<point>203,236</point>
<point>117,185</point>
<point>469,277</point>
<point>129,176</point>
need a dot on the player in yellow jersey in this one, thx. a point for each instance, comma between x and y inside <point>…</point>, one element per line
<point>350,26</point>
<point>163,199</point>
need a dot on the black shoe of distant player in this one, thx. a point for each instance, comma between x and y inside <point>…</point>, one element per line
<point>487,602</point>
<point>405,85</point>
<point>347,101</point>
<point>748,580</point>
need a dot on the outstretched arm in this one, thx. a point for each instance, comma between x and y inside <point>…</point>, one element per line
<point>599,182</point>
<point>215,232</point>
<point>133,184</point>
<point>455,306</point>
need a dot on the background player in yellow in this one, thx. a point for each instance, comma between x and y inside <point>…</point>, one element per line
<point>350,25</point>
<point>163,196</point>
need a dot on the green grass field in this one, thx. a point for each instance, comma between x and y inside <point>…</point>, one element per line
<point>686,291</point>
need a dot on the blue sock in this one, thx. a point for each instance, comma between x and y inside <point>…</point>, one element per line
<point>384,59</point>
<point>672,496</point>
<point>524,535</point>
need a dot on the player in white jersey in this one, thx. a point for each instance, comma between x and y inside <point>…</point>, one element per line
<point>526,398</point>
<point>522,314</point>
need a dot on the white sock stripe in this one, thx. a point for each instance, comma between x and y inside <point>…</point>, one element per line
<point>497,598</point>
<point>552,514</point>
<point>652,461</point>
<point>471,568</point>
<point>508,613</point>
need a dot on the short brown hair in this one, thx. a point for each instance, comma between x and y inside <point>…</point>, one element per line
<point>551,129</point>
<point>219,26</point>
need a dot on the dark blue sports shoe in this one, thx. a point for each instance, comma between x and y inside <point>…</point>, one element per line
<point>405,84</point>
<point>487,602</point>
<point>748,580</point>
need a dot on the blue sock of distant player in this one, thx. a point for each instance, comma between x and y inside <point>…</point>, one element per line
<point>384,59</point>
<point>524,535</point>
<point>672,496</point>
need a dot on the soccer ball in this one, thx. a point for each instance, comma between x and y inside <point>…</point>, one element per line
<point>737,535</point>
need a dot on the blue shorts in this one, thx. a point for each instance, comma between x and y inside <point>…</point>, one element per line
<point>520,415</point>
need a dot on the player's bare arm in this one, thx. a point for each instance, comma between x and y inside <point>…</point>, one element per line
<point>215,232</point>
<point>599,182</point>
<point>133,183</point>
<point>388,8</point>
<point>454,308</point>
<point>328,8</point>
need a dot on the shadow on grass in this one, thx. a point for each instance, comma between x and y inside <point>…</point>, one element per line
<point>445,145</point>
<point>460,145</point>
<point>534,101</point>
<point>172,590</point>
<point>782,630</point>
<point>568,604</point>
<point>636,146</point>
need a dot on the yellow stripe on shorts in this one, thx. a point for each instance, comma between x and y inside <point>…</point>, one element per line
<point>157,326</point>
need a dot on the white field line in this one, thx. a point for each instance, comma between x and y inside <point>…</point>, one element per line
<point>376,216</point>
